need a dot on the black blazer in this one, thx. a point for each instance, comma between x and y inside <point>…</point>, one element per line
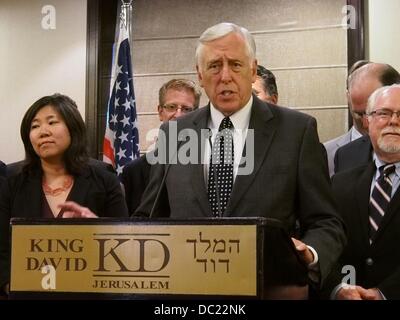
<point>21,196</point>
<point>289,180</point>
<point>377,265</point>
<point>353,154</point>
<point>16,167</point>
<point>135,178</point>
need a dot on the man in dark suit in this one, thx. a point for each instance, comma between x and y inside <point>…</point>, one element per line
<point>284,174</point>
<point>176,98</point>
<point>265,87</point>
<point>361,84</point>
<point>369,202</point>
<point>2,169</point>
<point>2,172</point>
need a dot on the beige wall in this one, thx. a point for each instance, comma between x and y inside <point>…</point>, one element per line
<point>383,39</point>
<point>302,42</point>
<point>35,62</point>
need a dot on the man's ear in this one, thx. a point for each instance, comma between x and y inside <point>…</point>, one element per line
<point>160,109</point>
<point>199,76</point>
<point>274,99</point>
<point>254,70</point>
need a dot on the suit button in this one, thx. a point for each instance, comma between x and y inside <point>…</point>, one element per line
<point>369,262</point>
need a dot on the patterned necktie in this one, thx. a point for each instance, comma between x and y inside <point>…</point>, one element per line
<point>380,198</point>
<point>220,175</point>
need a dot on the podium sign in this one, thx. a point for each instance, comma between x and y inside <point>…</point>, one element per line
<point>136,257</point>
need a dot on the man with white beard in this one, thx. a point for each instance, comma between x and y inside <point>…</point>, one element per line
<point>369,202</point>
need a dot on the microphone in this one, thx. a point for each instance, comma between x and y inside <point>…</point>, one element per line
<point>216,181</point>
<point>162,183</point>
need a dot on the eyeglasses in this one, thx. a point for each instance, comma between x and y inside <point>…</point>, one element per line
<point>384,114</point>
<point>172,108</point>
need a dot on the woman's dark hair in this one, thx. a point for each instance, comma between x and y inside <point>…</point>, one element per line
<point>76,155</point>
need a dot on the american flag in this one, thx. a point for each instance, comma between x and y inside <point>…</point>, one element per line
<point>121,139</point>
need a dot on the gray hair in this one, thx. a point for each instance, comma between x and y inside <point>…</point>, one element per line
<point>376,95</point>
<point>222,29</point>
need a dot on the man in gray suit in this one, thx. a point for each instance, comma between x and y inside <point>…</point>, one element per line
<point>284,176</point>
<point>356,131</point>
<point>362,83</point>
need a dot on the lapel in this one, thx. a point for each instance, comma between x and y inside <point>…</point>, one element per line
<point>362,191</point>
<point>32,196</point>
<point>364,149</point>
<point>264,126</point>
<point>197,171</point>
<point>80,188</point>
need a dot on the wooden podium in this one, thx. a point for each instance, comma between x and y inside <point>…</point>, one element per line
<point>235,258</point>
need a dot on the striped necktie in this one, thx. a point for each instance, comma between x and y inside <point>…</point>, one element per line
<point>380,199</point>
<point>220,175</point>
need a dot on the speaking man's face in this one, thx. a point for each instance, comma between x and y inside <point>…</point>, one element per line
<point>226,73</point>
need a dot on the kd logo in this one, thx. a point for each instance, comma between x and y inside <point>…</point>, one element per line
<point>49,280</point>
<point>49,20</point>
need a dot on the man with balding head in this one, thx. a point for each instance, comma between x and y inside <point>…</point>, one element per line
<point>372,216</point>
<point>361,84</point>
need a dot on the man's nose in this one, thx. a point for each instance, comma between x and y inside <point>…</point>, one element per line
<point>394,120</point>
<point>178,112</point>
<point>226,73</point>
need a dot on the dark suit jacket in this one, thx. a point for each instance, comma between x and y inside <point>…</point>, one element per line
<point>289,181</point>
<point>21,196</point>
<point>135,178</point>
<point>2,173</point>
<point>353,154</point>
<point>2,169</point>
<point>377,265</point>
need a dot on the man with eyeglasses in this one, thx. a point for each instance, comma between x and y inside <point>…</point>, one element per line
<point>369,201</point>
<point>176,98</point>
<point>354,147</point>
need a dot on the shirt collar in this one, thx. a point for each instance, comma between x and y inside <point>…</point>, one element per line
<point>355,134</point>
<point>378,163</point>
<point>240,119</point>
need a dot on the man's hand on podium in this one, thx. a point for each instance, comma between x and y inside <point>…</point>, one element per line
<point>348,292</point>
<point>304,252</point>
